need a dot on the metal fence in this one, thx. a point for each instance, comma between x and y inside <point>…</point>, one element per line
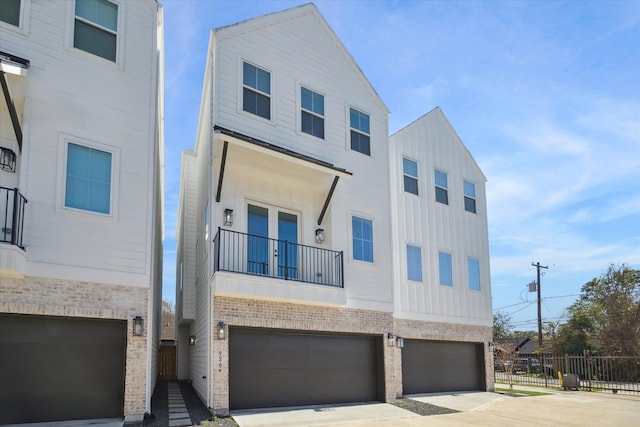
<point>613,373</point>
<point>12,205</point>
<point>260,256</point>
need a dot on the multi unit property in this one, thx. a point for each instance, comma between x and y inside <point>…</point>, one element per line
<point>80,208</point>
<point>320,260</point>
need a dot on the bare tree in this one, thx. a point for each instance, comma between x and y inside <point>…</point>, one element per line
<point>506,355</point>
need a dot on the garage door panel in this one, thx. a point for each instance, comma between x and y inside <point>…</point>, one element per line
<point>279,368</point>
<point>439,366</point>
<point>61,368</point>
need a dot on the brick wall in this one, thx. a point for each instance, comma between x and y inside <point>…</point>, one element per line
<point>53,297</point>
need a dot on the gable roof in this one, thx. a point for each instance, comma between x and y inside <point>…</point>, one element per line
<point>274,18</point>
<point>436,115</point>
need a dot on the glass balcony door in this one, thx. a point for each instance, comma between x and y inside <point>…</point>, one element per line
<point>272,246</point>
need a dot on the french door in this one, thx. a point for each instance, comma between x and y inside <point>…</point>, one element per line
<point>272,242</point>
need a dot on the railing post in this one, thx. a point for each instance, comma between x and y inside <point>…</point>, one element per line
<point>342,269</point>
<point>216,247</point>
<point>286,260</point>
<point>14,231</point>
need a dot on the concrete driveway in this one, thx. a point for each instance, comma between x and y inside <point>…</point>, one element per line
<point>561,408</point>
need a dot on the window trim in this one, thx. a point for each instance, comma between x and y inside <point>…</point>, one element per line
<point>350,128</point>
<point>406,175</point>
<point>436,186</point>
<point>465,197</point>
<point>242,86</point>
<point>353,215</point>
<point>310,112</point>
<point>419,248</point>
<point>60,206</point>
<point>441,252</point>
<point>120,36</point>
<point>23,19</point>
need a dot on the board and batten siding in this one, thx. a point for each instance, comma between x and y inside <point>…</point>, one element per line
<point>313,57</point>
<point>436,227</point>
<point>103,103</point>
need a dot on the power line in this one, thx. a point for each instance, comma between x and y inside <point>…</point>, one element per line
<point>528,302</point>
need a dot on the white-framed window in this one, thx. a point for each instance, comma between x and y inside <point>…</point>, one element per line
<point>312,112</point>
<point>256,90</point>
<point>414,263</point>
<point>362,238</point>
<point>360,131</point>
<point>88,178</point>
<point>473,273</point>
<point>10,12</point>
<point>442,192</point>
<point>469,196</point>
<point>410,175</point>
<point>445,269</point>
<point>95,28</point>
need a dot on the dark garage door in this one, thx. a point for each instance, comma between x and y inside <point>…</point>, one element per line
<point>270,368</point>
<point>440,366</point>
<point>56,368</point>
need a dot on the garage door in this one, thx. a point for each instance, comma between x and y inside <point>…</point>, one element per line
<point>440,366</point>
<point>54,368</point>
<point>270,368</point>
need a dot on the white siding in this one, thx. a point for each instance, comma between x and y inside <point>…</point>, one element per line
<point>435,227</point>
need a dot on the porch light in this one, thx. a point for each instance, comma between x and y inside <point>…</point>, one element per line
<point>492,346</point>
<point>138,326</point>
<point>399,342</point>
<point>7,159</point>
<point>192,340</point>
<point>228,217</point>
<point>319,235</point>
<point>221,332</point>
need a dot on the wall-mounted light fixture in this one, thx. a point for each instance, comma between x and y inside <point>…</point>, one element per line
<point>138,326</point>
<point>221,330</point>
<point>399,342</point>
<point>492,346</point>
<point>228,217</point>
<point>192,340</point>
<point>7,159</point>
<point>391,339</point>
<point>319,235</point>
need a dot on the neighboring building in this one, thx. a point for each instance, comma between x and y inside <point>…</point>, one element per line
<point>291,288</point>
<point>80,208</point>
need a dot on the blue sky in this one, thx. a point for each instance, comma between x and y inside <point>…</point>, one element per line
<point>545,95</point>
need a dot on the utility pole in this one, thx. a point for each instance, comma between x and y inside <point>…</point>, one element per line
<point>538,267</point>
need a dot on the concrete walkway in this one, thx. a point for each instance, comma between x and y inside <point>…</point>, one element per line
<point>178,413</point>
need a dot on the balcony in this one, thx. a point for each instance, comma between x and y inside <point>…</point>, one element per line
<point>278,259</point>
<point>12,205</point>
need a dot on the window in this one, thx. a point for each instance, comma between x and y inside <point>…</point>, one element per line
<point>414,263</point>
<point>360,132</point>
<point>10,12</point>
<point>88,179</point>
<point>442,195</point>
<point>469,197</point>
<point>473,269</point>
<point>362,230</point>
<point>445,268</point>
<point>256,91</point>
<point>312,112</point>
<point>410,170</point>
<point>96,27</point>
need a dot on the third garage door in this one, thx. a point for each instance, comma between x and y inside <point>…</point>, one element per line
<point>441,366</point>
<point>272,368</point>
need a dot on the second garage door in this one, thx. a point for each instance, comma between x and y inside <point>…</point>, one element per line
<point>442,366</point>
<point>273,368</point>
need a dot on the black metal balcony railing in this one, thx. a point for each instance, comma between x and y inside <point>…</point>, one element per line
<point>249,254</point>
<point>11,216</point>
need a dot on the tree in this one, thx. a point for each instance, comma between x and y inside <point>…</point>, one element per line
<point>168,320</point>
<point>502,326</point>
<point>606,317</point>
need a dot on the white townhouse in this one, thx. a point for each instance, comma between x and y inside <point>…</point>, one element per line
<point>287,267</point>
<point>81,146</point>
